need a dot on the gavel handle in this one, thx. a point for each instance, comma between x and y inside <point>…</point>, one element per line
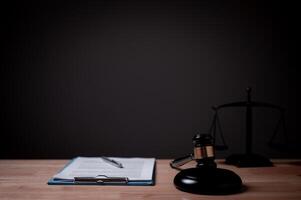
<point>176,163</point>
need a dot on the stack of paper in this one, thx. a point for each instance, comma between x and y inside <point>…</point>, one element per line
<point>138,171</point>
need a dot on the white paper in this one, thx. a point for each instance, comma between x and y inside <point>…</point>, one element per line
<point>135,169</point>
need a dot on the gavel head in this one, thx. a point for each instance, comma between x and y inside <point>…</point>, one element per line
<point>203,150</point>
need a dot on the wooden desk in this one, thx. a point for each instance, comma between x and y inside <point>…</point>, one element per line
<point>26,179</point>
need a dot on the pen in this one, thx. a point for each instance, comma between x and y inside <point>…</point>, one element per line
<point>112,162</point>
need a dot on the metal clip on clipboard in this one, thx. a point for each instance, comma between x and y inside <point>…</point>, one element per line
<point>101,179</point>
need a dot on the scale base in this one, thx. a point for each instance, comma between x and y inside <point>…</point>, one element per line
<point>208,181</point>
<point>248,160</point>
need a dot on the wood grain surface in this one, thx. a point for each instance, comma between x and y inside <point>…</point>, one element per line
<point>27,179</point>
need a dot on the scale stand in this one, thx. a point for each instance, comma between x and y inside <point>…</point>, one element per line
<point>248,159</point>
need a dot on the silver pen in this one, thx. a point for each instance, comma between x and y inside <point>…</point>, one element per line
<point>112,162</point>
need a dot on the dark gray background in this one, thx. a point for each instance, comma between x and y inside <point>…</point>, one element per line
<point>139,78</point>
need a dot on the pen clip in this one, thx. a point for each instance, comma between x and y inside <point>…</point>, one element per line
<point>101,179</point>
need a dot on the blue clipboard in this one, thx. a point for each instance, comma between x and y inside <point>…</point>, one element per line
<point>102,181</point>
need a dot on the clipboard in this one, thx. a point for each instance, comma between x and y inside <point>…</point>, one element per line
<point>101,179</point>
